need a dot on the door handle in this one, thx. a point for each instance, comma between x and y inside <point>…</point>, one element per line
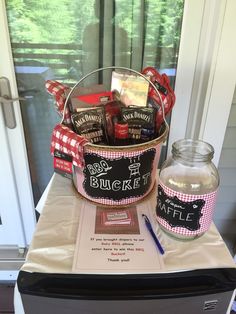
<point>7,103</point>
<point>7,100</point>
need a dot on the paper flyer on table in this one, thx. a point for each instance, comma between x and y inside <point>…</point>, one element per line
<point>115,241</point>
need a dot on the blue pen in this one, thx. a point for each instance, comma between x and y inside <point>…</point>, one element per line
<point>149,227</point>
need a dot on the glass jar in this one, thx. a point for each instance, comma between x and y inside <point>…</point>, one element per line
<point>187,190</point>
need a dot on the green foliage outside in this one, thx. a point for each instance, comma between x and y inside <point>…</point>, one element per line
<point>63,21</point>
<point>156,23</point>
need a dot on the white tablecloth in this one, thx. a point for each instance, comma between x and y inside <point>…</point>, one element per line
<point>52,247</point>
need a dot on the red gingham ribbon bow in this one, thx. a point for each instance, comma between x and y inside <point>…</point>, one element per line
<point>68,142</point>
<point>59,90</point>
<point>168,99</point>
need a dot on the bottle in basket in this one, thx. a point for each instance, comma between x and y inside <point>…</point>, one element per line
<point>121,133</point>
<point>187,189</point>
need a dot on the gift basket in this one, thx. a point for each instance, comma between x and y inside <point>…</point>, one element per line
<point>109,141</point>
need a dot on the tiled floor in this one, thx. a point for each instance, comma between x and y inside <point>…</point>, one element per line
<point>6,299</point>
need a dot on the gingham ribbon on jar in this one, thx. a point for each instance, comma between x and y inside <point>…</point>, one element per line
<point>68,142</point>
<point>59,92</point>
<point>206,211</point>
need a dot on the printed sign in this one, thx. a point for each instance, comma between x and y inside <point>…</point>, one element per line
<point>179,213</point>
<point>62,164</point>
<point>118,178</point>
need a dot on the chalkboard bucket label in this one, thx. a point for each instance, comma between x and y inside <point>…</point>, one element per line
<point>182,214</point>
<point>118,176</point>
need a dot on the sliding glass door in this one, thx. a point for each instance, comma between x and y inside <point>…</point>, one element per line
<point>64,40</point>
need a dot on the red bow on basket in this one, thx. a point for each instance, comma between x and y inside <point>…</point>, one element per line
<point>68,142</point>
<point>60,91</point>
<point>162,83</point>
<point>63,138</point>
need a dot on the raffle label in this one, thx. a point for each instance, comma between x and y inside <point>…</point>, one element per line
<point>184,214</point>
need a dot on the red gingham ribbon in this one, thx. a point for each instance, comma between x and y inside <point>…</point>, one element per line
<point>168,100</point>
<point>58,90</point>
<point>67,141</point>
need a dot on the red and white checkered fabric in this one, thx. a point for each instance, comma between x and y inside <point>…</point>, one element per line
<point>67,141</point>
<point>207,211</point>
<point>109,154</point>
<point>59,90</point>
